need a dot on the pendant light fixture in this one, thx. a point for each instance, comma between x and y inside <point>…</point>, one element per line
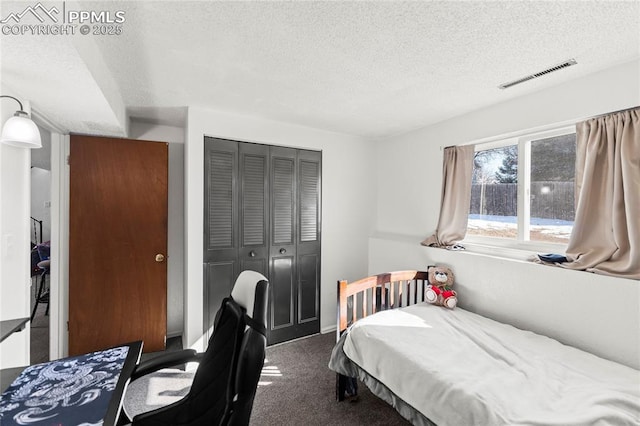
<point>20,131</point>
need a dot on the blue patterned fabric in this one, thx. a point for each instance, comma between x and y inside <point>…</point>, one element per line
<point>69,391</point>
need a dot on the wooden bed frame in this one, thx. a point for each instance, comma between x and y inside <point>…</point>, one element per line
<point>367,296</point>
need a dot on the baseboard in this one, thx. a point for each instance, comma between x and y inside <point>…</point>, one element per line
<point>171,334</point>
<point>329,329</point>
<point>293,340</point>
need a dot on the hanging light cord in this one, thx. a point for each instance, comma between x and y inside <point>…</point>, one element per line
<point>15,99</point>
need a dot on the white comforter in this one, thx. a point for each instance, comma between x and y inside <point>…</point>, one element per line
<point>458,368</point>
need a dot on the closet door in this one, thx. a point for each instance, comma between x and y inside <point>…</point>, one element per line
<point>295,244</point>
<point>236,218</point>
<point>308,243</point>
<point>220,225</point>
<point>282,271</point>
<point>262,213</point>
<point>253,250</point>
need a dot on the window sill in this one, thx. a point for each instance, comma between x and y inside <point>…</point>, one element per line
<point>510,249</point>
<point>492,247</point>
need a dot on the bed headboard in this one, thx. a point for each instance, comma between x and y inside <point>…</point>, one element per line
<point>389,290</point>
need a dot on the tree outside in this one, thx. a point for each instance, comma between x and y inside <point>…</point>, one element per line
<point>508,171</point>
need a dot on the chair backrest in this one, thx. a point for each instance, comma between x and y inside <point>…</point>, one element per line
<point>212,390</point>
<point>254,343</point>
<point>245,292</point>
<point>218,393</point>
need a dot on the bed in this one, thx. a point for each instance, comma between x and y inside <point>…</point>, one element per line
<point>454,367</point>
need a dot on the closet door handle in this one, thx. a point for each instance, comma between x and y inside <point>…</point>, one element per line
<point>282,251</point>
<point>252,253</point>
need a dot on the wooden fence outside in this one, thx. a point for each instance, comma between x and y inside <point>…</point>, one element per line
<point>549,200</point>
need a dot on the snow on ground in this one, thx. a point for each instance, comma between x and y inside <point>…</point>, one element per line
<point>506,226</point>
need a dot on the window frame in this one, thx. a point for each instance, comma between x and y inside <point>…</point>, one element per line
<point>506,246</point>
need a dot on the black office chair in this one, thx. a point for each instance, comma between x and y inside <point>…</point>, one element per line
<point>224,385</point>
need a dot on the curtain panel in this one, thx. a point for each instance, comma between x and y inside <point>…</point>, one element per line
<point>455,197</point>
<point>606,232</point>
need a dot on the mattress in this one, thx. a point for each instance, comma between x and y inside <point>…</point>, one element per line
<point>455,367</point>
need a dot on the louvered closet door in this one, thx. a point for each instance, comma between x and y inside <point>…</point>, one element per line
<point>295,242</point>
<point>236,218</point>
<point>262,213</point>
<point>308,244</point>
<point>220,225</point>
<point>282,274</point>
<point>253,253</point>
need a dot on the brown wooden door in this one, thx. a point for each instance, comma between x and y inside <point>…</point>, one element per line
<point>117,229</point>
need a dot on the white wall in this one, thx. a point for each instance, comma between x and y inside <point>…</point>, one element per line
<point>348,198</point>
<point>14,242</point>
<point>175,227</point>
<point>596,313</point>
<point>41,157</point>
<point>59,273</point>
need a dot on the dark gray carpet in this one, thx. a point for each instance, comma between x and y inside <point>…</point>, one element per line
<point>296,388</point>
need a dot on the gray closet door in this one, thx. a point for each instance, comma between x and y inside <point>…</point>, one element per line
<point>295,244</point>
<point>308,244</point>
<point>221,216</point>
<point>236,217</point>
<point>253,249</point>
<point>262,212</point>
<point>282,271</point>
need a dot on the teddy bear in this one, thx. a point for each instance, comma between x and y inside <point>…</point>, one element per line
<point>439,290</point>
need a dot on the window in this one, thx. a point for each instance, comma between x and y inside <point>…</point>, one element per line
<point>523,188</point>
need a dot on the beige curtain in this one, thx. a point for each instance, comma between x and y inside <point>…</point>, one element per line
<point>606,232</point>
<point>455,198</point>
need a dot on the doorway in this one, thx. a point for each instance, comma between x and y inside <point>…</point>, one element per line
<point>40,237</point>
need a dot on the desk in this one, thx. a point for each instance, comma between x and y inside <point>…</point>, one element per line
<point>85,389</point>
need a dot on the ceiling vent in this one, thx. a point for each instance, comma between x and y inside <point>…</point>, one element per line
<point>564,64</point>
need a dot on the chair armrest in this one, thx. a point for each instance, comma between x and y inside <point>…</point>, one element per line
<point>166,360</point>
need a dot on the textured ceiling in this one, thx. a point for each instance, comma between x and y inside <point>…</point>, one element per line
<point>372,69</point>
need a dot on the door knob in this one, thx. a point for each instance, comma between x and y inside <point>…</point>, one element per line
<point>159,257</point>
<point>252,253</point>
<point>282,251</point>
